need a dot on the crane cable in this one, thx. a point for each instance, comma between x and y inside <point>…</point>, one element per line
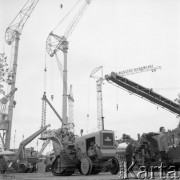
<point>66,15</point>
<point>43,115</point>
<point>52,80</point>
<point>114,48</point>
<point>88,105</point>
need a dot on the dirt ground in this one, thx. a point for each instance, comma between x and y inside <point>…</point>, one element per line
<point>49,176</point>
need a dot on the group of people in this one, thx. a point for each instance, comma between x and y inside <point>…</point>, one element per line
<point>130,152</point>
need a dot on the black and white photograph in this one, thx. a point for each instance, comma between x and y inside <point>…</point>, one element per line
<point>89,89</point>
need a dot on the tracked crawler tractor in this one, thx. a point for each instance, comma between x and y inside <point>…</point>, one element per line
<point>90,154</point>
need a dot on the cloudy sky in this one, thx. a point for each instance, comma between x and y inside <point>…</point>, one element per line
<point>115,34</point>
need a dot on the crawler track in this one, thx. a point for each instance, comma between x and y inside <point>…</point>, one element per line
<point>63,165</point>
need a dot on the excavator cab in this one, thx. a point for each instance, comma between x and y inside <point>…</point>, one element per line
<point>90,146</point>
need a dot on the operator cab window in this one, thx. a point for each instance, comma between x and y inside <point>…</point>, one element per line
<point>90,143</point>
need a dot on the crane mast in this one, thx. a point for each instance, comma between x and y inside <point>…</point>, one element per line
<point>55,43</point>
<point>70,96</point>
<point>99,82</point>
<point>12,34</point>
<point>71,113</point>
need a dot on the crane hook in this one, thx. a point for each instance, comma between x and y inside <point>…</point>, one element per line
<point>61,6</point>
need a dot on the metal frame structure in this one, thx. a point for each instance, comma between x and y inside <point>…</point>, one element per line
<point>146,93</point>
<point>99,82</point>
<point>12,34</point>
<point>55,43</point>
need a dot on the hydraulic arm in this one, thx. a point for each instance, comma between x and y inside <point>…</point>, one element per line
<point>144,92</point>
<point>21,150</point>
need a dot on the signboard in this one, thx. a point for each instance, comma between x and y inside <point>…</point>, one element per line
<point>136,70</point>
<point>108,139</point>
<point>4,123</point>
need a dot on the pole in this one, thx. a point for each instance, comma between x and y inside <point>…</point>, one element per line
<point>102,122</point>
<point>64,103</point>
<point>10,110</point>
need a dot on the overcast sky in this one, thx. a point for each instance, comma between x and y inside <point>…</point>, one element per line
<point>115,34</point>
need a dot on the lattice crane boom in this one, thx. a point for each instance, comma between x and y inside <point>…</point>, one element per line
<point>54,42</point>
<point>144,92</point>
<point>19,21</point>
<point>76,19</point>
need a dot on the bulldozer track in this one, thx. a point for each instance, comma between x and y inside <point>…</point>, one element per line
<point>63,165</point>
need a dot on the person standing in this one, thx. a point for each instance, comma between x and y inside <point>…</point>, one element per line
<point>129,158</point>
<point>163,145</point>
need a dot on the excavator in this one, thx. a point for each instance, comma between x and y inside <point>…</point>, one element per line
<point>89,154</point>
<point>19,162</point>
<point>147,147</point>
<point>28,164</point>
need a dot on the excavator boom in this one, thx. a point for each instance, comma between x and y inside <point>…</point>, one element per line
<point>21,150</point>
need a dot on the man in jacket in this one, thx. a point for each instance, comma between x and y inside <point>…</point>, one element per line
<point>129,158</point>
<point>163,145</point>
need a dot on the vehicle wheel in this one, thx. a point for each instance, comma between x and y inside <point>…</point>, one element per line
<point>22,168</point>
<point>86,166</point>
<point>114,167</point>
<point>48,168</point>
<point>79,167</point>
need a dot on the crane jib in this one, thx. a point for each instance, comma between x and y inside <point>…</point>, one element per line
<point>144,92</point>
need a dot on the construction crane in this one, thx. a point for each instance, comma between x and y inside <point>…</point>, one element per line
<point>12,34</point>
<point>99,82</point>
<point>4,116</point>
<point>146,93</point>
<point>55,43</point>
